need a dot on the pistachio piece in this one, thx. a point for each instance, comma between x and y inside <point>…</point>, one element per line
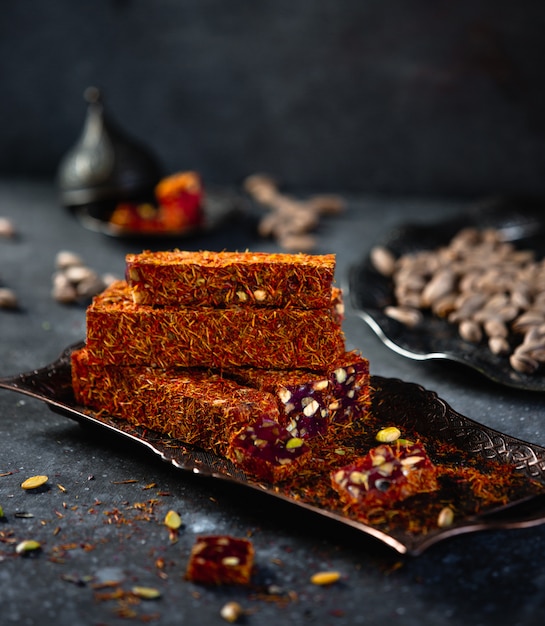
<point>445,517</point>
<point>389,434</point>
<point>28,545</point>
<point>325,578</point>
<point>231,612</point>
<point>146,593</point>
<point>294,442</point>
<point>8,299</point>
<point>173,521</point>
<point>34,482</point>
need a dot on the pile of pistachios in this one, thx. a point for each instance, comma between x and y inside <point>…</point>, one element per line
<point>492,291</point>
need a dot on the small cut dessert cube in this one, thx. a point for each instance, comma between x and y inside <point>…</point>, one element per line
<point>387,474</point>
<point>221,560</point>
<point>267,451</point>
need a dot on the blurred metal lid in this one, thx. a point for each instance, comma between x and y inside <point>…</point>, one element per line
<point>105,163</point>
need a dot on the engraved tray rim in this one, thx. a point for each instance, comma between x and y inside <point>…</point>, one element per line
<point>51,384</point>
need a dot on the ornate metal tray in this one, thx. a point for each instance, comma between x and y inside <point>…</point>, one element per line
<point>521,222</point>
<point>410,406</point>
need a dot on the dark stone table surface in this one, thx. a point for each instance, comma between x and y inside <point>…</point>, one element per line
<point>101,520</point>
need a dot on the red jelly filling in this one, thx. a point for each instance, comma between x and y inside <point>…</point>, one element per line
<point>221,560</point>
<point>266,450</point>
<point>305,407</point>
<point>350,388</point>
<point>340,397</point>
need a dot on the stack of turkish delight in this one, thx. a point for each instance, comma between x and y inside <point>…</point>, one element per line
<point>242,354</point>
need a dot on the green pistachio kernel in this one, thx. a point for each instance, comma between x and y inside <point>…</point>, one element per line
<point>28,545</point>
<point>389,434</point>
<point>34,482</point>
<point>146,593</point>
<point>173,520</point>
<point>294,442</point>
<point>445,517</point>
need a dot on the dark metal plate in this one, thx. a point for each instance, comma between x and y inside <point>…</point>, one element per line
<point>522,222</point>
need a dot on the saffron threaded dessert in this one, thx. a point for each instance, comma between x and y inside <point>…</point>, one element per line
<point>219,279</point>
<point>241,354</point>
<point>195,407</point>
<point>120,332</point>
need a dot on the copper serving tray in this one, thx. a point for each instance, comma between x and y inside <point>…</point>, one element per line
<point>412,405</point>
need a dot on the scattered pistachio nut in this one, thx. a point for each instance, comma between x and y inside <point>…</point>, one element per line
<point>445,517</point>
<point>383,260</point>
<point>66,258</point>
<point>408,315</point>
<point>173,521</point>
<point>34,482</point>
<point>8,299</point>
<point>325,578</point>
<point>293,443</point>
<point>388,434</point>
<point>28,545</point>
<point>1,512</point>
<point>90,286</point>
<point>74,281</point>
<point>470,331</point>
<point>146,593</point>
<point>76,273</point>
<point>498,345</point>
<point>231,612</point>
<point>7,229</point>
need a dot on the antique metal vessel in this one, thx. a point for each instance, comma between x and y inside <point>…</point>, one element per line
<point>105,165</point>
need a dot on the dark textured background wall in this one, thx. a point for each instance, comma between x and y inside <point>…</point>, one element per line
<point>401,96</point>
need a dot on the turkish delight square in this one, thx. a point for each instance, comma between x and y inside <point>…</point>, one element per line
<point>267,450</point>
<point>389,473</point>
<point>221,560</point>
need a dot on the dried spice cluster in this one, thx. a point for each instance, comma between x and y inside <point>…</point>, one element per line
<point>256,372</point>
<point>176,208</point>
